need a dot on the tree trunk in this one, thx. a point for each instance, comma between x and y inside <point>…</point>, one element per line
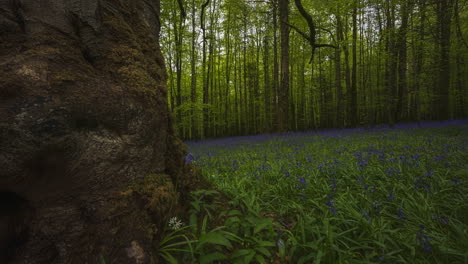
<point>391,66</point>
<point>353,109</point>
<point>193,81</point>
<point>444,16</point>
<point>339,88</point>
<point>90,169</point>
<point>275,64</point>
<point>283,93</point>
<point>206,75</point>
<point>401,113</point>
<point>267,84</point>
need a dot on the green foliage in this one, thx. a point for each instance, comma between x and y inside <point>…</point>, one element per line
<point>240,237</point>
<point>231,88</point>
<point>388,196</point>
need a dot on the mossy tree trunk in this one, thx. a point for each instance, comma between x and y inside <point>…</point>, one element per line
<point>89,167</point>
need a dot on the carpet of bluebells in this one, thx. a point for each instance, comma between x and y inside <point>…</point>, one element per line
<point>381,195</point>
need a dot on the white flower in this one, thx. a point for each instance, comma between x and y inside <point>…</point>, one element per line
<point>175,223</point>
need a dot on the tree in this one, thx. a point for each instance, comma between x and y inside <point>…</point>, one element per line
<point>283,93</point>
<point>205,72</point>
<point>444,19</point>
<point>380,67</point>
<point>90,168</point>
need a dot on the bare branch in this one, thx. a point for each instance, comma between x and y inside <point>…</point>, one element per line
<point>312,30</point>
<point>304,35</point>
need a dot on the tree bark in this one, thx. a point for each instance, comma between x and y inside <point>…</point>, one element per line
<point>339,122</point>
<point>206,75</point>
<point>353,109</point>
<point>193,81</point>
<point>444,16</point>
<point>90,168</point>
<point>283,93</point>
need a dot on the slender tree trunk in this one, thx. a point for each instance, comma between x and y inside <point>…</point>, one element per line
<point>339,88</point>
<point>179,33</point>
<point>401,112</point>
<point>267,84</point>
<point>206,76</point>
<point>283,92</point>
<point>353,106</point>
<point>193,81</point>
<point>347,76</point>
<point>391,67</point>
<point>444,16</point>
<point>228,73</point>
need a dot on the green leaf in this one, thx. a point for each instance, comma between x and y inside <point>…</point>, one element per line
<point>241,252</point>
<point>262,224</point>
<point>264,251</point>
<point>260,259</point>
<point>196,205</point>
<point>234,212</point>
<point>210,258</point>
<point>169,258</point>
<point>213,238</point>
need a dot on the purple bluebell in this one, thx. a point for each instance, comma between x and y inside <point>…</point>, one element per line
<point>366,215</point>
<point>400,213</point>
<point>444,220</point>
<point>235,165</point>
<point>302,181</point>
<point>189,158</point>
<point>331,203</point>
<point>424,239</point>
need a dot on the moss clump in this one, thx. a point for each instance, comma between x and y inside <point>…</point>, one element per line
<point>157,195</point>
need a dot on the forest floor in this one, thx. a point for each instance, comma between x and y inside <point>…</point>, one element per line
<point>381,195</point>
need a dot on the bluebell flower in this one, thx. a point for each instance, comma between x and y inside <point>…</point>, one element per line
<point>392,172</point>
<point>455,181</point>
<point>424,239</point>
<point>280,243</point>
<point>421,183</point>
<point>429,173</point>
<point>366,215</point>
<point>189,158</point>
<point>391,196</point>
<point>444,221</point>
<point>330,203</point>
<point>302,181</point>
<point>400,213</point>
<point>235,165</point>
